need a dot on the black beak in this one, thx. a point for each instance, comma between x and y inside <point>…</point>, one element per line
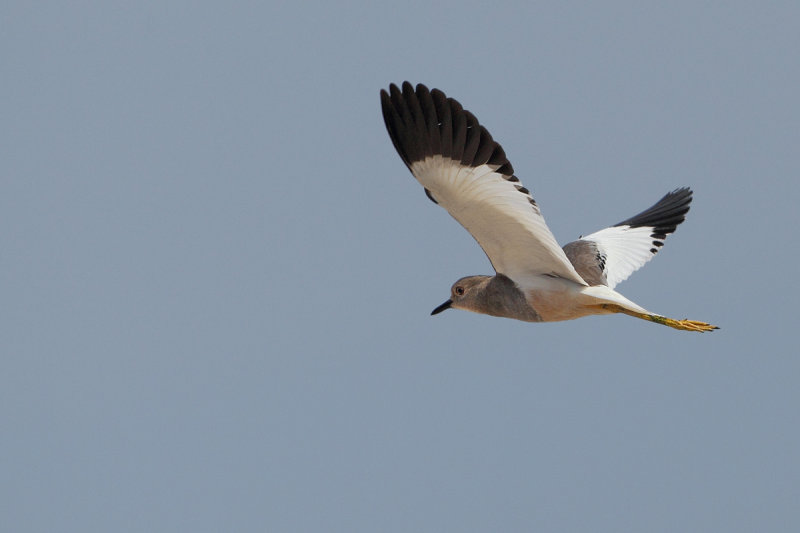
<point>442,307</point>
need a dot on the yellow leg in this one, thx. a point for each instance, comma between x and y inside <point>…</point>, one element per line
<point>685,324</point>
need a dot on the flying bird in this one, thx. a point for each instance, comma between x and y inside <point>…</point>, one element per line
<point>465,171</point>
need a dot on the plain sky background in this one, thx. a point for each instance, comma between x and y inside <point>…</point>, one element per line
<point>217,274</point>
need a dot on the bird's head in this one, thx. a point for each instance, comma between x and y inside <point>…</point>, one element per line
<point>465,293</point>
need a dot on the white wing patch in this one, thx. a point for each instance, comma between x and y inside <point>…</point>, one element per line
<point>500,214</point>
<point>465,171</point>
<point>624,250</point>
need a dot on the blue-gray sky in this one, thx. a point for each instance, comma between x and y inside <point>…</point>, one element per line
<point>217,273</point>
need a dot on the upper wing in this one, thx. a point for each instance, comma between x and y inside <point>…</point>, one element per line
<point>467,173</point>
<point>610,255</point>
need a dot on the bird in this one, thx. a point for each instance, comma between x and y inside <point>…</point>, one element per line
<point>465,171</point>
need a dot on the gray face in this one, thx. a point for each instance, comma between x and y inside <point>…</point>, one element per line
<point>463,293</point>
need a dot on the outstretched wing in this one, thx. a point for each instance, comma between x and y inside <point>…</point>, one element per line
<point>609,256</point>
<point>465,171</point>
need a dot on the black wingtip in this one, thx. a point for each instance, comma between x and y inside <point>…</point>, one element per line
<point>424,122</point>
<point>665,215</point>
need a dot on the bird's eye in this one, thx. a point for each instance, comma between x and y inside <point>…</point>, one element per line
<point>459,291</point>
